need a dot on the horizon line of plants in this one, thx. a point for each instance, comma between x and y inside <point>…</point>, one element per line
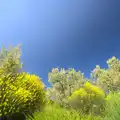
<point>23,94</point>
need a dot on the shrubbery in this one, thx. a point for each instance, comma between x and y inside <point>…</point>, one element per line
<point>20,93</point>
<point>113,106</point>
<point>89,99</point>
<point>23,94</point>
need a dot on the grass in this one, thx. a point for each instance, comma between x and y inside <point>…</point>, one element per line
<point>54,112</point>
<point>113,107</point>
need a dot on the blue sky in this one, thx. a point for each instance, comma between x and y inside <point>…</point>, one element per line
<point>61,33</point>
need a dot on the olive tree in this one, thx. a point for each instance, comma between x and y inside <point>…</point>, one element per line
<point>64,82</point>
<point>108,79</point>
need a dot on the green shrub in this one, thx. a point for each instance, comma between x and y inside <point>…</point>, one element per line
<point>89,99</point>
<point>113,107</point>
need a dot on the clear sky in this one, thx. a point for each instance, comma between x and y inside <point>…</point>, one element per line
<point>61,33</point>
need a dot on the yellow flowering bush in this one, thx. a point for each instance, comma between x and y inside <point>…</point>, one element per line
<point>20,92</point>
<point>36,88</point>
<point>26,95</point>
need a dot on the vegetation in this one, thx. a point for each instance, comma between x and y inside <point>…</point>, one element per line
<point>108,79</point>
<point>70,97</point>
<point>113,106</point>
<point>55,112</point>
<point>20,93</point>
<point>89,99</point>
<point>64,82</point>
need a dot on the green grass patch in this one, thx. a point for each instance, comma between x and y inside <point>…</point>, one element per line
<point>55,112</point>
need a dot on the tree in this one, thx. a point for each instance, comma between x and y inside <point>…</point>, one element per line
<point>64,82</point>
<point>108,79</point>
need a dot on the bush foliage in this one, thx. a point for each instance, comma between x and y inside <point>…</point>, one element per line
<point>20,92</point>
<point>89,99</point>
